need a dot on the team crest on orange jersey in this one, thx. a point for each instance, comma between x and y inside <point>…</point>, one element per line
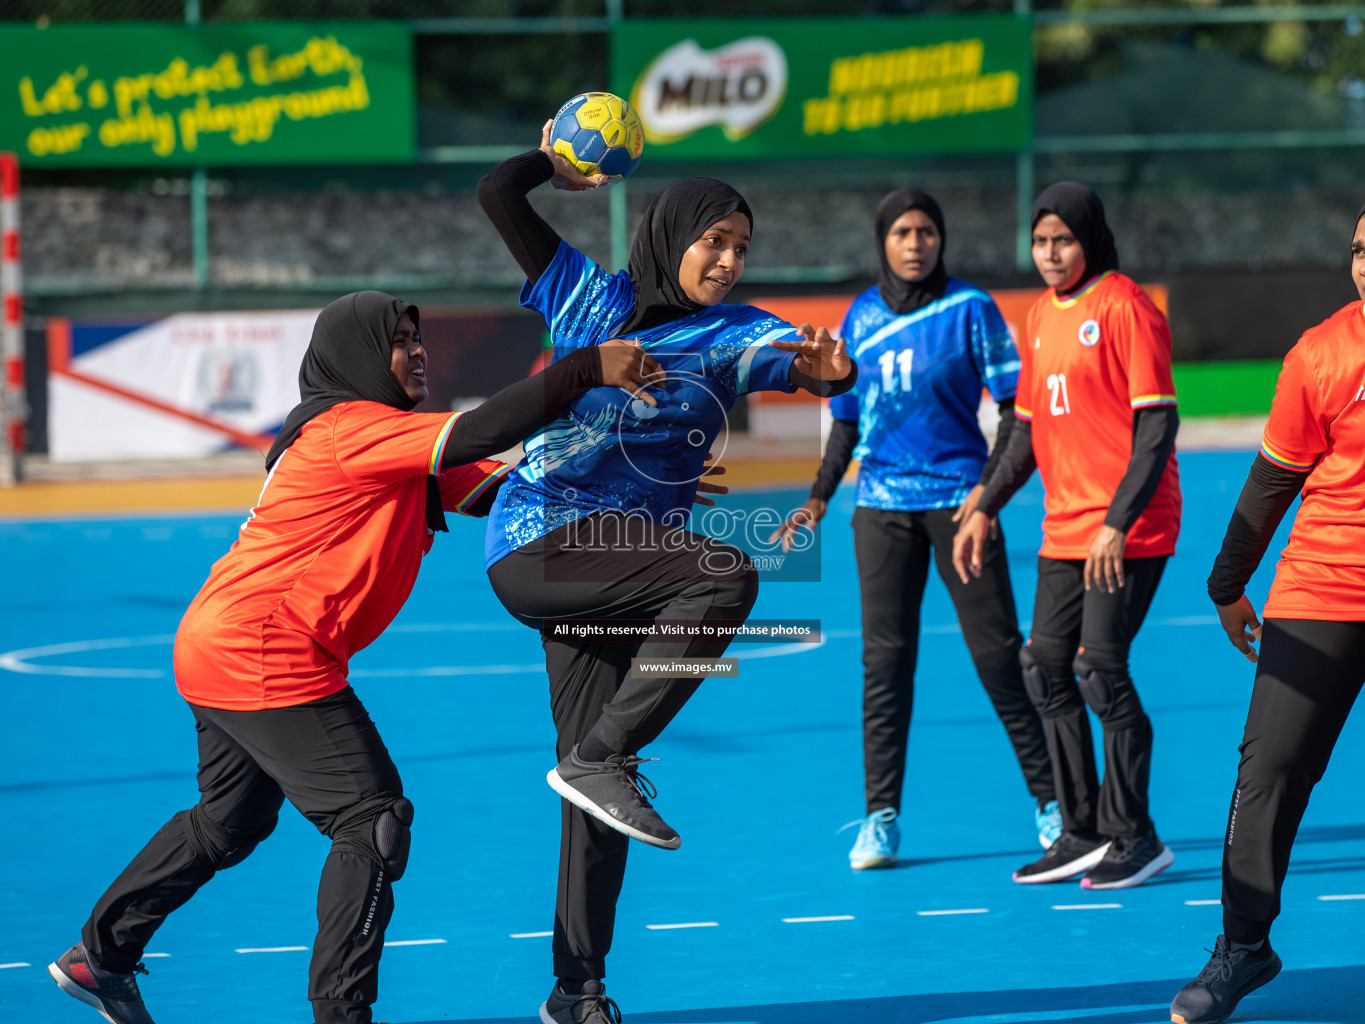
<point>1089,334</point>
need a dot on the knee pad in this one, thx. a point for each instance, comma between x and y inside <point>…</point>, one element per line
<point>1099,684</point>
<point>218,845</point>
<point>393,836</point>
<point>377,829</point>
<point>1037,682</point>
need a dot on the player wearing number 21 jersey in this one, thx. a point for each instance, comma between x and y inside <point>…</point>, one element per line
<point>1096,414</point>
<point>1085,363</point>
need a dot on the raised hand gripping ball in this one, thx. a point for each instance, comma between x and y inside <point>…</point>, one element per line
<point>599,133</point>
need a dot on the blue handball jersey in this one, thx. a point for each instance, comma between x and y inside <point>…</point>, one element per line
<point>920,376</point>
<point>610,451</point>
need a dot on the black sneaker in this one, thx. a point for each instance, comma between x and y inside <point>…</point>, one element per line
<point>1129,862</point>
<point>1226,978</point>
<point>1068,857</point>
<point>614,791</point>
<point>115,996</point>
<point>592,1007</point>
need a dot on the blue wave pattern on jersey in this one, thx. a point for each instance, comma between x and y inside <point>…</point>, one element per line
<point>609,450</point>
<point>920,376</point>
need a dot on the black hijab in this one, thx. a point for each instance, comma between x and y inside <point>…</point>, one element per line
<point>348,360</point>
<point>675,219</point>
<point>1081,211</point>
<point>902,296</point>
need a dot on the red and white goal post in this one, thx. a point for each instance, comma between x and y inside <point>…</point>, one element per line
<point>14,406</point>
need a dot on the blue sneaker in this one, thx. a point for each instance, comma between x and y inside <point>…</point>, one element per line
<point>878,839</point>
<point>1048,820</point>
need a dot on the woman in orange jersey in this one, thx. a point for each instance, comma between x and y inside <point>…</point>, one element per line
<point>356,489</point>
<point>1312,657</point>
<point>1096,405</point>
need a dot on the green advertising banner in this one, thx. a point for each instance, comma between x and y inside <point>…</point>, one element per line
<point>246,93</point>
<point>827,87</point>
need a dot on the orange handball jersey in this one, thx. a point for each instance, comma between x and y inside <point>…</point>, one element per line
<point>1085,364</point>
<point>325,560</point>
<point>1317,423</point>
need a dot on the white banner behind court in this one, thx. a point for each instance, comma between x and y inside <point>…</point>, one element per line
<point>189,385</point>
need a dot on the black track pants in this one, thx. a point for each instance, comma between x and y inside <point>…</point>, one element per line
<point>893,551</point>
<point>1077,655</point>
<point>1307,679</point>
<point>326,757</point>
<point>650,574</point>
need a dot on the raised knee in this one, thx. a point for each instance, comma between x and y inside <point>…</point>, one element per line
<point>381,831</point>
<point>218,845</point>
<point>393,836</point>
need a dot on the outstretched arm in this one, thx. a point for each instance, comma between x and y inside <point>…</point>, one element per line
<point>524,408</point>
<point>822,365</point>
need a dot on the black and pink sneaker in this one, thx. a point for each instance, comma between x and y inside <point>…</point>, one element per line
<point>115,996</point>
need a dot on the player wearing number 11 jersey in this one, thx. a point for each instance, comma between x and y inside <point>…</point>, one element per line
<point>926,345</point>
<point>1097,416</point>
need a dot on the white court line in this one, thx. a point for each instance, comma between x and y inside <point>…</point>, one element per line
<point>744,652</point>
<point>945,913</point>
<point>416,942</point>
<point>685,924</point>
<point>1344,896</point>
<point>148,956</point>
<point>813,920</point>
<point>1203,903</point>
<point>18,661</point>
<point>530,935</point>
<point>1086,906</point>
<point>274,949</point>
<point>5,966</point>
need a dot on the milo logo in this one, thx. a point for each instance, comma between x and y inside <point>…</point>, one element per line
<point>737,86</point>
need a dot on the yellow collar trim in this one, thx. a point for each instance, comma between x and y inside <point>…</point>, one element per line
<point>1068,303</point>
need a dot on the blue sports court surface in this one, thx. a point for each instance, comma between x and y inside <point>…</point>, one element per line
<point>757,917</point>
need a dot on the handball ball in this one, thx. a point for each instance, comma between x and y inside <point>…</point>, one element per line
<point>599,133</point>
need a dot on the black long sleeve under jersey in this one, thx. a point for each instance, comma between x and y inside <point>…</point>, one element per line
<point>1266,496</point>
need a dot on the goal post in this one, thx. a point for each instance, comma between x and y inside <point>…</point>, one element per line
<point>14,407</point>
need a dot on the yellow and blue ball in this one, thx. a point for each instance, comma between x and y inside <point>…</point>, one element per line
<point>599,133</point>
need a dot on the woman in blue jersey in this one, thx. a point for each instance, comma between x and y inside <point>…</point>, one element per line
<point>588,535</point>
<point>925,344</point>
